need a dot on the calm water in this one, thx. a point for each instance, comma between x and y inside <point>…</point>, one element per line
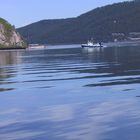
<point>70,94</point>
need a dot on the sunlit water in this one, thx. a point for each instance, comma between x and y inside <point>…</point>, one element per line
<point>70,94</point>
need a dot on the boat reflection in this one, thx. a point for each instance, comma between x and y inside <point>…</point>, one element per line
<point>91,49</point>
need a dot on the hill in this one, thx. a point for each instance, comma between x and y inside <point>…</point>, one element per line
<point>99,23</point>
<point>9,37</point>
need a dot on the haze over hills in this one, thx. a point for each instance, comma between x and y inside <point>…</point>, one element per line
<point>99,23</point>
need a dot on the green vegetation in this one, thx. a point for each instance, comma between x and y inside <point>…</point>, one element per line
<point>8,27</point>
<point>10,36</point>
<point>6,24</point>
<point>99,23</point>
<point>1,46</point>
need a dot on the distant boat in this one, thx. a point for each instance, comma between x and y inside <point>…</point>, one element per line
<point>91,44</point>
<point>36,46</point>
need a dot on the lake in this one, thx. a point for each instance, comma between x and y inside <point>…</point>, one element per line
<point>70,93</point>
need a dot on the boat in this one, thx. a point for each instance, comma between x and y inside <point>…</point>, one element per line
<point>36,46</point>
<point>91,44</point>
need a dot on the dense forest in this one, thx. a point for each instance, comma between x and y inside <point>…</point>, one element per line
<point>99,24</point>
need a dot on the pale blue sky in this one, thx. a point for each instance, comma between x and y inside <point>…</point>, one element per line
<point>23,12</point>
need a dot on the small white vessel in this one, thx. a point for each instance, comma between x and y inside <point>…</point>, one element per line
<point>92,44</point>
<point>36,46</point>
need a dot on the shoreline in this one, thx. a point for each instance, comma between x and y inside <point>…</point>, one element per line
<point>12,48</point>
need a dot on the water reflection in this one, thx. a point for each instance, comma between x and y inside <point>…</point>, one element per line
<point>10,57</point>
<point>7,60</point>
<point>121,68</point>
<point>70,94</point>
<point>91,50</point>
<point>74,121</point>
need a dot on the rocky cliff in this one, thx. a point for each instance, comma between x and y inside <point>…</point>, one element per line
<point>9,37</point>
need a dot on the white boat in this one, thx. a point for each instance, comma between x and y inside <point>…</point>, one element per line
<point>91,44</point>
<point>36,46</point>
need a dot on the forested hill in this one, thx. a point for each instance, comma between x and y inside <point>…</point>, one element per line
<point>99,23</point>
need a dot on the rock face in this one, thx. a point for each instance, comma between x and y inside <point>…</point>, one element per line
<point>9,37</point>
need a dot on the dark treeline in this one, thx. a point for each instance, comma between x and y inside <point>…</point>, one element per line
<point>99,23</point>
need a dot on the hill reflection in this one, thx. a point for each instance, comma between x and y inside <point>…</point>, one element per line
<point>7,60</point>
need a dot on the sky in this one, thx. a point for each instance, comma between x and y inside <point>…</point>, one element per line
<point>24,12</point>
